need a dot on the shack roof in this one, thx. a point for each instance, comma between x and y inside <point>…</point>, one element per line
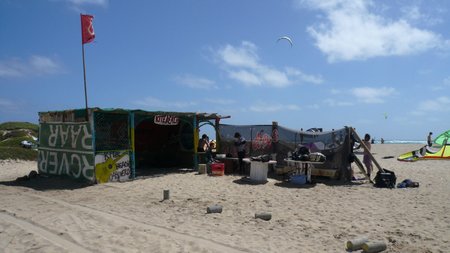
<point>79,115</point>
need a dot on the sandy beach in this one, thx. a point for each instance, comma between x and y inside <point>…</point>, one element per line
<point>56,215</point>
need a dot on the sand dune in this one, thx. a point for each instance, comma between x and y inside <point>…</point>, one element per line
<point>56,215</point>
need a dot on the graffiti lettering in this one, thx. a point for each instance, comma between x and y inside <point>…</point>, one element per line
<point>74,159</point>
<point>262,141</point>
<point>124,164</point>
<point>64,165</point>
<point>52,162</point>
<point>112,166</point>
<point>86,141</point>
<point>119,175</point>
<point>57,163</point>
<point>66,149</point>
<point>53,137</point>
<point>167,120</point>
<point>75,134</point>
<point>66,136</point>
<point>64,133</point>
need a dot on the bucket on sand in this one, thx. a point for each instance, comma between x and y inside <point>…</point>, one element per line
<point>201,168</point>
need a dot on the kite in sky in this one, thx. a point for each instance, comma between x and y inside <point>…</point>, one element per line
<point>287,39</point>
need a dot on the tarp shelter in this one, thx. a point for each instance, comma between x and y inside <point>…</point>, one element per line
<point>102,145</point>
<point>336,145</point>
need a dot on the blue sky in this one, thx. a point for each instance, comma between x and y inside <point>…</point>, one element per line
<point>379,66</point>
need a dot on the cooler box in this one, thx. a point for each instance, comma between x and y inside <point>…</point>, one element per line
<point>217,169</point>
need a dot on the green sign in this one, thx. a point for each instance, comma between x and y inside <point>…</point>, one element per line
<point>66,149</point>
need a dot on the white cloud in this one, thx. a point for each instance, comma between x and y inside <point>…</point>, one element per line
<point>274,77</point>
<point>443,86</point>
<point>151,102</point>
<point>196,82</point>
<point>335,91</point>
<point>439,104</point>
<point>333,102</point>
<point>35,65</point>
<point>240,57</point>
<point>352,32</point>
<point>80,6</point>
<point>371,95</point>
<point>416,15</point>
<point>447,81</point>
<point>244,65</point>
<point>220,101</point>
<point>102,3</point>
<point>43,65</point>
<point>264,107</point>
<point>5,103</point>
<point>245,77</point>
<point>304,77</point>
<point>7,106</point>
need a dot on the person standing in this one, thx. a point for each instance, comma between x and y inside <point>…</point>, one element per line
<point>203,143</point>
<point>367,160</point>
<point>239,143</point>
<point>203,146</point>
<point>429,139</point>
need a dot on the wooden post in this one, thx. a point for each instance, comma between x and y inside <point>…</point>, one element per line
<point>214,209</point>
<point>196,133</point>
<point>166,194</point>
<point>216,128</point>
<point>133,144</point>
<point>275,137</point>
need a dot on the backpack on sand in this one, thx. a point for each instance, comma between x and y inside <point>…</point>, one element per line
<point>385,179</point>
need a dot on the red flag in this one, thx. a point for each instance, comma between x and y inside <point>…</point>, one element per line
<point>87,29</point>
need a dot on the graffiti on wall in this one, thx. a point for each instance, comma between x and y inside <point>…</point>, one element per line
<point>166,120</point>
<point>262,141</point>
<point>66,149</point>
<point>112,166</point>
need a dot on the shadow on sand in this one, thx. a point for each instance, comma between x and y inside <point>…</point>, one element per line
<point>287,184</point>
<point>47,183</point>
<point>248,181</point>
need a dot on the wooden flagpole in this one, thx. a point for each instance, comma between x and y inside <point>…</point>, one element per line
<point>85,86</point>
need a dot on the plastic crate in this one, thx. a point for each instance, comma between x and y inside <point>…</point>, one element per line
<point>298,179</point>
